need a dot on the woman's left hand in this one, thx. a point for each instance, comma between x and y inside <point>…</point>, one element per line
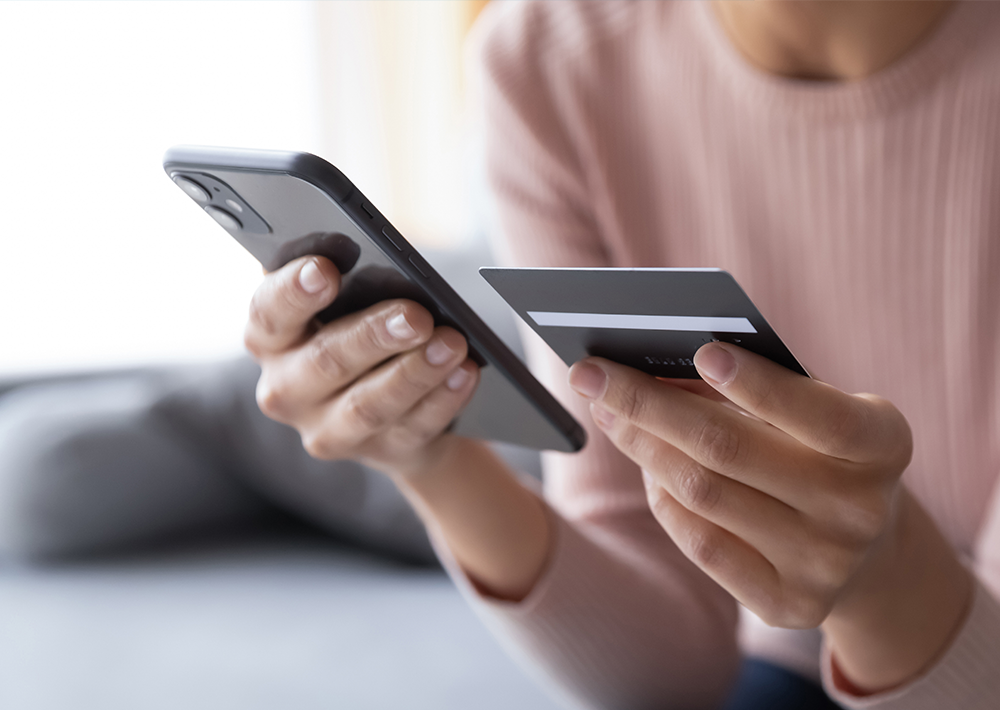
<point>796,510</point>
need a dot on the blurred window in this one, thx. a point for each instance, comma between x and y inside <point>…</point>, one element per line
<point>106,263</point>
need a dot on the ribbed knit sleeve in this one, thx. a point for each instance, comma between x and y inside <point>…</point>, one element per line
<point>967,675</point>
<point>611,626</point>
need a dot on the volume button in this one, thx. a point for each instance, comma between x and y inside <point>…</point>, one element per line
<point>420,265</point>
<point>393,236</point>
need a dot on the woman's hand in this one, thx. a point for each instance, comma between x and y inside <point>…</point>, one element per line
<point>379,386</point>
<point>797,510</point>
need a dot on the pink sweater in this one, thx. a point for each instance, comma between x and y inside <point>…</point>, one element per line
<point>863,218</point>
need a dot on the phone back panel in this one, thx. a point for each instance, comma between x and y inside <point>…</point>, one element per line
<point>292,205</point>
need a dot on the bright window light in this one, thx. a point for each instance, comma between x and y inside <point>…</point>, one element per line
<point>106,262</point>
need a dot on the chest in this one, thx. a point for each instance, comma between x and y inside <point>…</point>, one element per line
<point>872,246</point>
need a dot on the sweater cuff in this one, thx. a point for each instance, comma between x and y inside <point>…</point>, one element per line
<point>966,677</point>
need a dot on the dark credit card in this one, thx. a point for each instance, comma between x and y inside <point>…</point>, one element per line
<point>651,319</point>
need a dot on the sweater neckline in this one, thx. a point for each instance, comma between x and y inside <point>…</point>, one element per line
<point>913,72</point>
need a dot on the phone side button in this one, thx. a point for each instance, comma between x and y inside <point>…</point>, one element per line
<point>420,265</point>
<point>393,237</point>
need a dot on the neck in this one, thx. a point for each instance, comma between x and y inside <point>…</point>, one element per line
<point>827,40</point>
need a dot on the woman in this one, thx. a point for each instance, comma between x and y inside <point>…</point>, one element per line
<point>837,159</point>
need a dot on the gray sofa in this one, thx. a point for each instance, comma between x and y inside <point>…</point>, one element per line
<point>269,610</point>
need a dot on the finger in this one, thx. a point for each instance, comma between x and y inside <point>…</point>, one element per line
<point>784,536</point>
<point>283,306</point>
<point>339,353</point>
<point>859,428</point>
<point>434,413</point>
<point>737,567</point>
<point>715,436</point>
<point>767,523</point>
<point>701,388</point>
<point>733,563</point>
<point>380,398</point>
<point>694,386</point>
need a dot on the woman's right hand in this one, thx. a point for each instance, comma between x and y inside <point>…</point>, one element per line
<point>380,386</point>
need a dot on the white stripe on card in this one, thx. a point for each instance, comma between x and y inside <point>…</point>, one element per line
<point>625,321</point>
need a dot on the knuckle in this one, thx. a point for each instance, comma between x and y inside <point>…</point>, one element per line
<point>719,444</point>
<point>327,358</point>
<point>762,396</point>
<point>639,445</point>
<point>704,549</point>
<point>373,336</point>
<point>317,446</point>
<point>836,564</point>
<point>656,498</point>
<point>261,317</point>
<point>251,344</point>
<point>270,399</point>
<point>362,410</point>
<point>414,377</point>
<point>848,427</point>
<point>633,402</point>
<point>287,295</point>
<point>696,489</point>
<point>825,563</point>
<point>628,439</point>
<point>867,518</point>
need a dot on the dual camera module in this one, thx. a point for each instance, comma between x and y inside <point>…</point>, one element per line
<point>221,202</point>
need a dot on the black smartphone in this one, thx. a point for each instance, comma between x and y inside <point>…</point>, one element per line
<point>283,205</point>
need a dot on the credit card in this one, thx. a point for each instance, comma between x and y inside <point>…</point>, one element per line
<point>651,319</point>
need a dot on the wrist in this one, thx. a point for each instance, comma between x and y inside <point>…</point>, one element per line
<point>495,528</point>
<point>905,607</point>
<point>437,458</point>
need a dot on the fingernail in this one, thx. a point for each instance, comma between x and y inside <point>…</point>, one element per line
<point>438,353</point>
<point>588,380</point>
<point>311,278</point>
<point>602,416</point>
<point>400,328</point>
<point>716,363</point>
<point>457,379</point>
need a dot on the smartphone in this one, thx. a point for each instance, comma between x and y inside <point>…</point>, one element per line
<point>283,205</point>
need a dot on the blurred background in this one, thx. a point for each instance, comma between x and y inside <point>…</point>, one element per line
<point>107,263</point>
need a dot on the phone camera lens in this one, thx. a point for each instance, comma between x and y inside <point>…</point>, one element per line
<point>195,191</point>
<point>224,218</point>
